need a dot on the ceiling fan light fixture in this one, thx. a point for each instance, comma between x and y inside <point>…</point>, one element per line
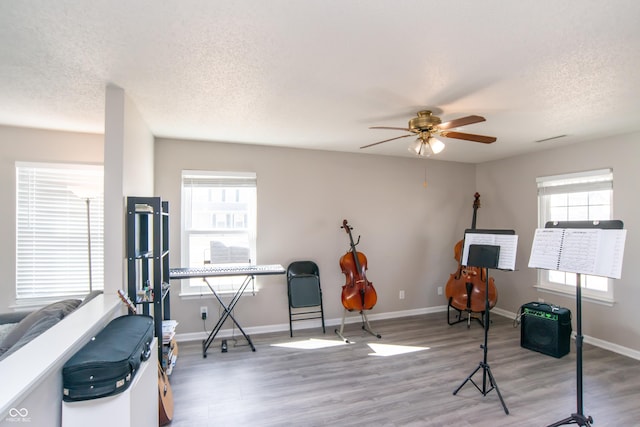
<point>415,146</point>
<point>435,144</point>
<point>420,147</point>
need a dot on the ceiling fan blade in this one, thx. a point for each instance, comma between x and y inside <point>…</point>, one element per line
<point>386,140</point>
<point>469,137</point>
<point>392,128</point>
<point>463,121</point>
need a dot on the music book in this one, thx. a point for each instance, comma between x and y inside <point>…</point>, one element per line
<point>506,240</point>
<point>593,251</point>
<point>484,256</point>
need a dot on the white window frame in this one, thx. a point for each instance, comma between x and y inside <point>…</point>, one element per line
<point>589,196</point>
<point>55,203</point>
<point>234,226</point>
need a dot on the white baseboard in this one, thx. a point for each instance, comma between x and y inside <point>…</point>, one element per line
<point>308,324</point>
<point>355,318</point>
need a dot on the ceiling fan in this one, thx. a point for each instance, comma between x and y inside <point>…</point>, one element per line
<point>427,127</point>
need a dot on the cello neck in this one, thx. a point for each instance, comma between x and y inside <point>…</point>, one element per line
<point>347,228</point>
<point>476,205</point>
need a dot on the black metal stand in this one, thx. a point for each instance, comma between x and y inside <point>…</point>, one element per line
<point>226,313</point>
<point>486,369</point>
<point>577,418</point>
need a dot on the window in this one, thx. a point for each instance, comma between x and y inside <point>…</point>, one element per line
<point>576,197</point>
<point>55,206</point>
<point>218,224</point>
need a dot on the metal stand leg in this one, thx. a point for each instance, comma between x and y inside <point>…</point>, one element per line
<point>227,309</point>
<point>578,419</point>
<point>339,333</point>
<point>486,371</point>
<point>365,326</point>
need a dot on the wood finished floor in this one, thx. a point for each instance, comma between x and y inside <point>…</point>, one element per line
<point>346,386</point>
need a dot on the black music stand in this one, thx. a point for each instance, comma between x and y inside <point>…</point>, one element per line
<point>578,417</point>
<point>484,256</point>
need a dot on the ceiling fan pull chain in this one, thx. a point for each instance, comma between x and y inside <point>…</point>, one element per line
<point>424,184</point>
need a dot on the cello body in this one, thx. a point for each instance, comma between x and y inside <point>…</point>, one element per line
<point>357,293</point>
<point>466,289</point>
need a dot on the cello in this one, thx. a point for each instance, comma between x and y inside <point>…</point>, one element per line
<point>357,293</point>
<point>466,288</point>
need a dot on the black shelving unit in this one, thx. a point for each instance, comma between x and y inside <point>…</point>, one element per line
<point>148,259</point>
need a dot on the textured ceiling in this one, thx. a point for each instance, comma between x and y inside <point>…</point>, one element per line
<point>317,74</point>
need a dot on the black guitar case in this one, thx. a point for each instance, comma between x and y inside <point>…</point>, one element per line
<point>107,364</point>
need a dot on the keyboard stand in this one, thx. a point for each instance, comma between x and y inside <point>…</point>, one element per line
<point>249,271</point>
<point>226,313</point>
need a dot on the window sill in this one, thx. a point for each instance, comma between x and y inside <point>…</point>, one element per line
<point>30,304</point>
<point>588,297</point>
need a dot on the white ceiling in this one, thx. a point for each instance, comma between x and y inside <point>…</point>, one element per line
<point>317,74</point>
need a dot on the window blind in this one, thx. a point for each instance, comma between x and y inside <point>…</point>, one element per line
<point>596,180</point>
<point>53,205</point>
<point>203,179</point>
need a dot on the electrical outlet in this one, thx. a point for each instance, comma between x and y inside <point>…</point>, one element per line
<point>439,290</point>
<point>204,312</point>
<point>401,295</point>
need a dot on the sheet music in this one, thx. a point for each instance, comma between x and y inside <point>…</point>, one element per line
<point>594,251</point>
<point>579,250</point>
<point>612,244</point>
<point>508,247</point>
<point>545,252</point>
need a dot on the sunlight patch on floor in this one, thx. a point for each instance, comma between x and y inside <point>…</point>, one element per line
<point>378,349</point>
<point>310,344</point>
<point>392,350</point>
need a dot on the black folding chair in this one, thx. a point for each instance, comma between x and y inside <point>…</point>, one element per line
<point>304,292</point>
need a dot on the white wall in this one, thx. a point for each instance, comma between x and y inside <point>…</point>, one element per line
<point>509,200</point>
<point>31,145</point>
<point>408,231</point>
<point>128,171</point>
